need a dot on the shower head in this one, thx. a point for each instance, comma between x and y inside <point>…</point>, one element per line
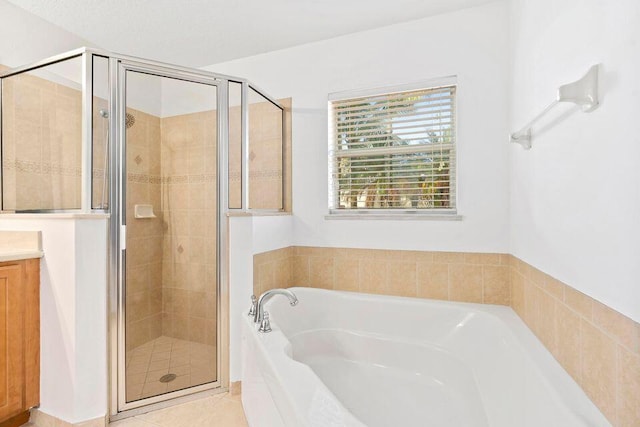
<point>129,120</point>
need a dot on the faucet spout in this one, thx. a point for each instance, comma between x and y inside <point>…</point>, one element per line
<point>259,314</point>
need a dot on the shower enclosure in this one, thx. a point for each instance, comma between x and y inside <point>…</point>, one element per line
<point>168,152</point>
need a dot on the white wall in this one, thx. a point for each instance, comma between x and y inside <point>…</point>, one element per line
<point>240,286</point>
<point>26,38</point>
<point>471,44</point>
<point>91,258</point>
<point>248,236</point>
<point>73,331</point>
<point>575,197</point>
<point>73,380</point>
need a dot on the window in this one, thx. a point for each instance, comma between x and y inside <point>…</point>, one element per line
<point>393,152</point>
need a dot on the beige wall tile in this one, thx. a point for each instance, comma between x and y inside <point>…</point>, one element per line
<point>578,301</point>
<point>197,304</point>
<point>321,271</point>
<point>568,348</point>
<point>506,259</point>
<point>389,255</point>
<point>300,270</point>
<point>482,258</point>
<point>532,301</point>
<point>433,281</point>
<point>354,253</point>
<point>496,289</point>
<point>315,251</point>
<point>256,279</point>
<point>465,283</point>
<point>621,327</point>
<point>598,369</point>
<point>628,399</point>
<point>424,257</point>
<point>554,287</point>
<point>373,275</point>
<point>535,276</point>
<point>401,279</point>
<point>547,321</point>
<point>282,273</point>
<point>448,257</point>
<point>519,265</point>
<point>346,274</point>
<point>266,277</point>
<point>517,293</point>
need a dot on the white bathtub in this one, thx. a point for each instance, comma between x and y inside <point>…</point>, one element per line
<point>345,359</point>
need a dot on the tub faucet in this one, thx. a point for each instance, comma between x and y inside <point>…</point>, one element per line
<point>259,315</point>
<point>254,305</point>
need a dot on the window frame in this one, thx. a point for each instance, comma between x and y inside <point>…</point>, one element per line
<point>399,213</point>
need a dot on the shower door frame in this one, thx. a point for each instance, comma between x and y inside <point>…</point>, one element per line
<point>118,68</point>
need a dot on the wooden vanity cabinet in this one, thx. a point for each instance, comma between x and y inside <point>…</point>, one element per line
<point>19,340</point>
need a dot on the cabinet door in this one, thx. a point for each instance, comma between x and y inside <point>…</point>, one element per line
<point>11,341</point>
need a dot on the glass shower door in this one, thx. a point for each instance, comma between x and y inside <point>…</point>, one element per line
<point>170,278</point>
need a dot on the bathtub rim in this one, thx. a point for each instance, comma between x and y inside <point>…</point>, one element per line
<point>571,394</point>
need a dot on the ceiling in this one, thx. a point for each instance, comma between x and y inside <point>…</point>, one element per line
<point>203,32</point>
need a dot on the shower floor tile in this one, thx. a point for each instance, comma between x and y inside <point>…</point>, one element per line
<point>192,364</point>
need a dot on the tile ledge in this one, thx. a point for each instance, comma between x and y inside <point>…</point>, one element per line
<point>392,217</point>
<point>241,214</point>
<point>54,216</point>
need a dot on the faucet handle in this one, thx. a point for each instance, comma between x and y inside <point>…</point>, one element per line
<point>265,325</point>
<point>254,306</point>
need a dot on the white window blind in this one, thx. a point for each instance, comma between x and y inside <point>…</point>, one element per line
<point>394,152</point>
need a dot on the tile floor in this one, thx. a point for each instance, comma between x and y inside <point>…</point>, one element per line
<point>192,363</point>
<point>221,410</point>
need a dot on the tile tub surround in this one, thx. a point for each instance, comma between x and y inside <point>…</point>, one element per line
<point>597,346</point>
<point>468,277</point>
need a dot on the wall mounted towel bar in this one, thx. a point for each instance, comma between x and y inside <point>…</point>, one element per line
<point>583,92</point>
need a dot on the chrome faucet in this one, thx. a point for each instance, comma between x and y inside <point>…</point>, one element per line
<point>254,306</point>
<point>259,316</point>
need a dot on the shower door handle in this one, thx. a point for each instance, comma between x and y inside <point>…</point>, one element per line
<point>123,237</point>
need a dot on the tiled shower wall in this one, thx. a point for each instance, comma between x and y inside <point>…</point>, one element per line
<point>144,236</point>
<point>42,143</point>
<point>188,208</point>
<point>597,346</point>
<point>269,168</point>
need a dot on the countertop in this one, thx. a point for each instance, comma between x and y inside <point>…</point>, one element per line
<point>19,245</point>
<point>19,255</point>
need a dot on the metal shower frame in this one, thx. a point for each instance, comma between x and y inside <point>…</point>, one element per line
<point>118,66</point>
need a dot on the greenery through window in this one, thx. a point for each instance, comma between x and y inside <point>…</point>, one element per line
<point>394,151</point>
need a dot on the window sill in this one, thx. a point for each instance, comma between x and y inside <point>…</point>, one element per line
<point>394,217</point>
